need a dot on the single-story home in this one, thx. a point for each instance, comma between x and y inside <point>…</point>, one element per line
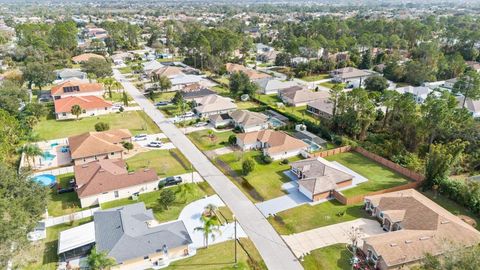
<point>195,91</point>
<point>85,57</point>
<point>220,120</point>
<point>448,84</point>
<point>350,74</point>
<point>106,180</point>
<point>473,65</point>
<point>275,144</point>
<point>167,71</point>
<point>90,105</point>
<point>70,74</point>
<point>182,80</point>
<point>130,235</point>
<point>150,66</point>
<point>248,121</point>
<point>232,67</point>
<point>76,88</point>
<point>302,97</point>
<point>322,108</point>
<point>252,74</point>
<point>415,226</point>
<point>420,93</point>
<point>270,85</point>
<point>473,106</point>
<point>93,146</point>
<point>213,104</point>
<point>317,178</point>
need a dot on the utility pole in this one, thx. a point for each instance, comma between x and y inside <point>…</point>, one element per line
<point>235,235</point>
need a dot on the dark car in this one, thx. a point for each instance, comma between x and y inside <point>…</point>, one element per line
<point>170,181</point>
<point>161,103</point>
<point>65,190</point>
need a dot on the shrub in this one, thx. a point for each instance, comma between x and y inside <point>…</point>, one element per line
<point>266,159</point>
<point>285,161</point>
<point>102,126</point>
<point>232,139</point>
<point>248,165</point>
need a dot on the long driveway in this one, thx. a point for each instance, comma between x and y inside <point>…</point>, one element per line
<point>272,248</point>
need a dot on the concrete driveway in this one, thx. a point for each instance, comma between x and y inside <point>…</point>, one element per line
<point>293,199</point>
<point>304,242</point>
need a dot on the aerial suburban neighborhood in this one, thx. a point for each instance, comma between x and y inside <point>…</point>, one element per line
<point>256,135</point>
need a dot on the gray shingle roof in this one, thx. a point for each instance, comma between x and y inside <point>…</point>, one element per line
<point>124,234</point>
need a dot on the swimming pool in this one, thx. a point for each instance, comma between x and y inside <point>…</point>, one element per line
<point>274,122</point>
<point>48,156</point>
<point>46,180</point>
<point>312,147</point>
<point>53,145</point>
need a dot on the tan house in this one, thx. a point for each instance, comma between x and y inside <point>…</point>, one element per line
<point>252,74</point>
<point>416,226</point>
<point>212,105</point>
<point>322,108</point>
<point>249,121</point>
<point>90,105</point>
<point>275,144</point>
<point>93,146</point>
<point>232,67</point>
<point>317,178</point>
<point>349,74</point>
<point>302,97</point>
<point>85,57</point>
<point>167,71</point>
<point>108,179</point>
<point>76,88</point>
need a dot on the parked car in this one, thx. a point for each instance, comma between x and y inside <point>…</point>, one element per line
<point>188,114</point>
<point>170,181</point>
<point>201,124</point>
<point>140,137</point>
<point>161,103</point>
<point>155,144</point>
<point>65,190</point>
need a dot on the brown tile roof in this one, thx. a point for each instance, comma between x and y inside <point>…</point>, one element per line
<point>319,176</point>
<point>85,57</point>
<point>426,227</point>
<point>214,102</point>
<point>86,103</point>
<point>278,141</point>
<point>304,95</point>
<point>108,175</point>
<point>168,71</point>
<point>78,86</point>
<point>247,118</point>
<point>252,74</point>
<point>95,143</point>
<point>231,67</point>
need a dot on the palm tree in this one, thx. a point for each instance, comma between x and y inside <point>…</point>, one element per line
<point>30,151</point>
<point>100,260</point>
<point>210,227</point>
<point>117,85</point>
<point>210,210</point>
<point>108,83</point>
<point>76,110</point>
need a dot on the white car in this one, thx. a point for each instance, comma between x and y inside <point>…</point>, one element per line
<point>140,137</point>
<point>155,144</point>
<point>188,114</point>
<point>201,124</point>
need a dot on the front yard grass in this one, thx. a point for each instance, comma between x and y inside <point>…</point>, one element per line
<point>205,142</point>
<point>136,121</point>
<point>328,84</point>
<point>222,256</point>
<point>42,255</point>
<point>316,77</point>
<point>307,217</point>
<point>266,179</point>
<point>164,162</point>
<point>328,258</point>
<point>170,110</point>
<point>125,70</point>
<point>117,97</point>
<point>185,194</point>
<point>379,177</point>
<point>63,204</point>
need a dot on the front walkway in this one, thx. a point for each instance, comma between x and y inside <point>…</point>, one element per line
<point>304,242</point>
<point>191,218</point>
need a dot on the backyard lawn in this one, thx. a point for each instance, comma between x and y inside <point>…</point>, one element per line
<point>125,70</point>
<point>246,105</point>
<point>222,256</point>
<point>266,179</point>
<point>185,194</point>
<point>379,177</point>
<point>63,204</point>
<point>300,112</point>
<point>165,162</point>
<point>205,142</point>
<point>221,90</point>
<point>328,258</point>
<point>42,255</point>
<point>316,77</point>
<point>307,217</point>
<point>136,121</point>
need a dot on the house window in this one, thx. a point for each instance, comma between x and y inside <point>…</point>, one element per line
<point>64,114</point>
<point>106,108</point>
<point>112,153</point>
<point>145,258</point>
<point>115,193</point>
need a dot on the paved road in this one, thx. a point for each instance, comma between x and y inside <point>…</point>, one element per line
<point>272,248</point>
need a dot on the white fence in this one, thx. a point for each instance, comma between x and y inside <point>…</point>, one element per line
<point>52,221</point>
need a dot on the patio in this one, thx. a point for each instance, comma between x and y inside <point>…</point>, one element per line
<point>55,154</point>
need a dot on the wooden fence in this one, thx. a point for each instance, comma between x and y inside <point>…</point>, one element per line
<point>332,152</point>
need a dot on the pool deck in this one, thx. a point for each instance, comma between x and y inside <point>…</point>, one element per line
<point>52,147</point>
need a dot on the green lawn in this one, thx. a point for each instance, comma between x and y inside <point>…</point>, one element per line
<point>204,142</point>
<point>316,77</point>
<point>328,258</point>
<point>63,204</point>
<point>165,96</point>
<point>165,162</point>
<point>379,177</point>
<point>42,255</point>
<point>170,110</point>
<point>174,59</point>
<point>307,217</point>
<point>246,105</point>
<point>266,179</point>
<point>117,97</point>
<point>221,256</point>
<point>125,70</point>
<point>300,112</point>
<point>221,90</point>
<point>185,194</point>
<point>328,84</point>
<point>136,121</point>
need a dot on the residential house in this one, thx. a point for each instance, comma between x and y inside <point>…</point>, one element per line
<point>150,66</point>
<point>350,75</point>
<point>275,144</point>
<point>131,236</point>
<point>213,104</point>
<point>318,178</point>
<point>67,74</point>
<point>90,105</point>
<point>195,91</point>
<point>448,84</point>
<point>269,85</point>
<point>167,71</point>
<point>322,108</point>
<point>419,93</point>
<point>267,57</point>
<point>415,226</point>
<point>473,65</point>
<point>93,146</point>
<point>302,97</point>
<point>252,74</point>
<point>311,52</point>
<point>473,106</point>
<point>220,120</point>
<point>76,88</point>
<point>262,48</point>
<point>180,81</point>
<point>85,57</point>
<point>248,121</point>
<point>298,60</point>
<point>106,180</point>
<point>232,68</point>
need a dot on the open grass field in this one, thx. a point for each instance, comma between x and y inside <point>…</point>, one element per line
<point>164,162</point>
<point>316,77</point>
<point>206,142</point>
<point>136,121</point>
<point>266,179</point>
<point>307,217</point>
<point>379,177</point>
<point>328,258</point>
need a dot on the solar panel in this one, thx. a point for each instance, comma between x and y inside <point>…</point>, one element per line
<point>69,89</point>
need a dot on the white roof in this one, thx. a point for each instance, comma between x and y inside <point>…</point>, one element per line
<point>420,91</point>
<point>185,79</point>
<point>151,65</point>
<point>76,237</point>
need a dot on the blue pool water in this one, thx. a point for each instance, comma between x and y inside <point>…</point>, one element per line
<point>274,122</point>
<point>45,179</point>
<point>312,146</point>
<point>48,156</point>
<point>53,145</point>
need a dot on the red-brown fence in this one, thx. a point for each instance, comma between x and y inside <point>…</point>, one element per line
<point>332,152</point>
